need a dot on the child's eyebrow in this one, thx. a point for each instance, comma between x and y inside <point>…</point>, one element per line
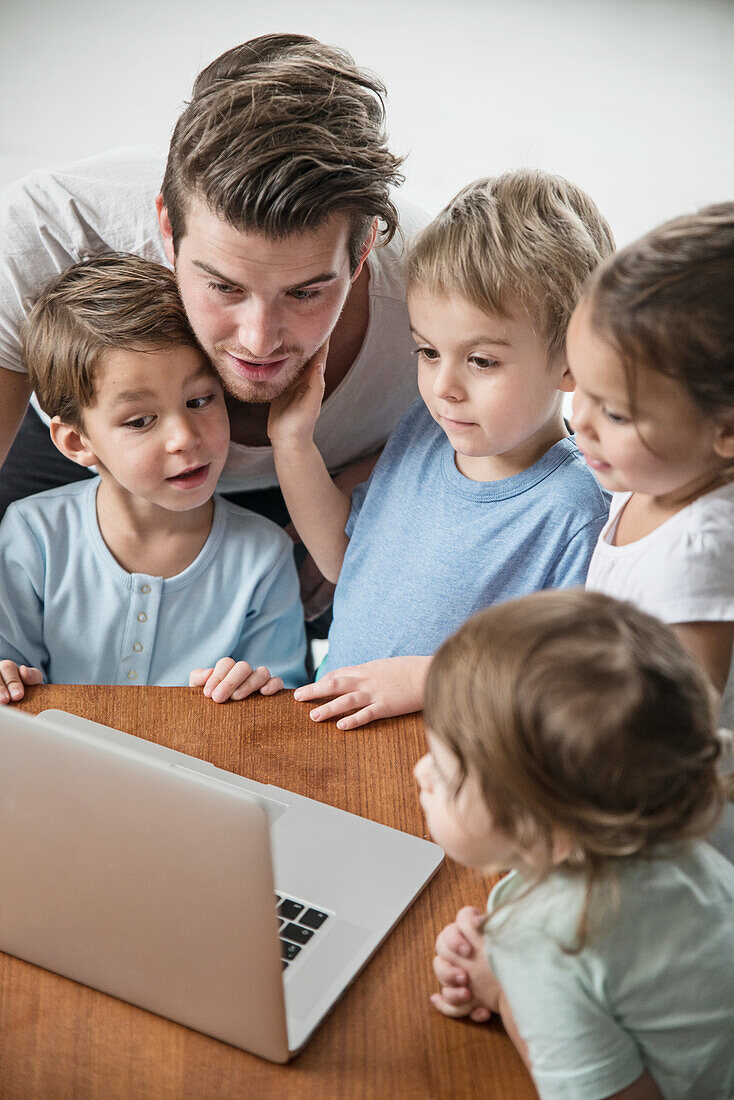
<point>126,397</point>
<point>480,338</point>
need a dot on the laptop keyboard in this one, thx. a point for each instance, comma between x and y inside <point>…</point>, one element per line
<point>298,923</point>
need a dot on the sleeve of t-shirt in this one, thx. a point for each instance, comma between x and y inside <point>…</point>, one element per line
<point>572,564</point>
<point>694,579</point>
<point>22,573</point>
<point>576,1048</point>
<point>273,633</point>
<point>359,492</point>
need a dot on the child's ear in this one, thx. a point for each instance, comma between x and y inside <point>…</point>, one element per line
<point>72,443</point>
<point>724,439</point>
<point>566,383</point>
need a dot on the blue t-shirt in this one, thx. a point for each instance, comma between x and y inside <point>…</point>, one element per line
<point>68,607</point>
<point>429,547</point>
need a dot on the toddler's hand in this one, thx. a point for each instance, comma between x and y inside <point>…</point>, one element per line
<point>293,415</point>
<point>376,689</point>
<point>13,678</point>
<point>468,986</point>
<point>231,679</point>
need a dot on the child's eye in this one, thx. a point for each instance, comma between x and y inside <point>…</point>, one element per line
<point>139,422</point>
<point>199,402</point>
<point>429,354</point>
<point>615,418</point>
<point>483,362</point>
<point>304,295</point>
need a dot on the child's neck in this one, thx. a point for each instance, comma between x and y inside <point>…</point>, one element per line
<point>145,538</point>
<point>500,466</point>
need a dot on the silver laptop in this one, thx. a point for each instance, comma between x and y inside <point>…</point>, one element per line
<point>238,909</point>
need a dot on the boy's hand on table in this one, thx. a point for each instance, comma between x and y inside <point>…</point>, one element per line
<point>376,689</point>
<point>468,986</point>
<point>13,679</point>
<point>231,679</point>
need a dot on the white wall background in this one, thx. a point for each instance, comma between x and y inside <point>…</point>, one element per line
<point>632,99</point>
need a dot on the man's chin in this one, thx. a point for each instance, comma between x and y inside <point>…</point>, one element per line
<point>257,392</point>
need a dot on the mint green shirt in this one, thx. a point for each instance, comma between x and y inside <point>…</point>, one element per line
<point>652,990</point>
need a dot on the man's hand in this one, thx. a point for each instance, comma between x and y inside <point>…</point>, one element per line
<point>468,986</point>
<point>377,689</point>
<point>293,415</point>
<point>231,679</point>
<point>13,678</point>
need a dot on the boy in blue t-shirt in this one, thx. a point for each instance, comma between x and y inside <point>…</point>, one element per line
<point>139,575</point>
<point>480,495</point>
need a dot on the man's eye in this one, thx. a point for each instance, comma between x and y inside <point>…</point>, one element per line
<point>199,402</point>
<point>304,295</point>
<point>139,422</point>
<point>222,288</point>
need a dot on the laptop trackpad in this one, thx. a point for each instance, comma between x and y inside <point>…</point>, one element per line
<point>317,980</point>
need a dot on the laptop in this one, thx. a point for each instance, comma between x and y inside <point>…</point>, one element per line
<point>236,908</point>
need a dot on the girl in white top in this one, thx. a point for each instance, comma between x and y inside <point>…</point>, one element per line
<point>572,742</point>
<point>651,349</point>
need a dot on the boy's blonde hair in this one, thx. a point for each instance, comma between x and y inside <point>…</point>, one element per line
<point>525,237</point>
<point>111,301</point>
<point>582,716</point>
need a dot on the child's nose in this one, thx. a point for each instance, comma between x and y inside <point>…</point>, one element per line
<point>446,384</point>
<point>580,415</point>
<point>182,435</point>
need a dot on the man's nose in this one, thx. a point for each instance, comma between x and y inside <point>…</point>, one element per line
<point>258,330</point>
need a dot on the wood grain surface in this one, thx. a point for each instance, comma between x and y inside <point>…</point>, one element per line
<point>62,1041</point>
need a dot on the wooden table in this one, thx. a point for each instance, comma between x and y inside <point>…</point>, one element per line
<point>62,1041</point>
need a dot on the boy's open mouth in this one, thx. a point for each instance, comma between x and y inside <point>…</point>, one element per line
<point>190,479</point>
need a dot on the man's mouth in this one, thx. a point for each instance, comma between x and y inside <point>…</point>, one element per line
<point>191,478</point>
<point>256,370</point>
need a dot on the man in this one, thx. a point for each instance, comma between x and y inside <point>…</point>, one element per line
<point>276,190</point>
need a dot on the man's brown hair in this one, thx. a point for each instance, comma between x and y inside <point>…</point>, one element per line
<point>281,133</point>
<point>524,238</point>
<point>111,301</point>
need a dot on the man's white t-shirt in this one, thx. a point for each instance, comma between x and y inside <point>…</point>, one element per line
<point>55,217</point>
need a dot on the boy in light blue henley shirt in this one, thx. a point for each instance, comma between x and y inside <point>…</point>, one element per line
<point>140,575</point>
<point>480,495</point>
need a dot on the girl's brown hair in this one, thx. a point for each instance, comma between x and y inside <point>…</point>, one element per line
<point>667,302</point>
<point>579,716</point>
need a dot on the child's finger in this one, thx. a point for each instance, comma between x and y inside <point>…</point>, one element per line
<point>199,677</point>
<point>447,973</point>
<point>274,685</point>
<point>218,673</point>
<point>443,1006</point>
<point>235,676</point>
<point>331,684</point>
<point>451,942</point>
<point>256,680</point>
<point>353,700</point>
<point>30,675</point>
<point>10,683</point>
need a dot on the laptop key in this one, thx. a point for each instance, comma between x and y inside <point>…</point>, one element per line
<point>313,918</point>
<point>289,908</point>
<point>297,934</point>
<point>288,950</point>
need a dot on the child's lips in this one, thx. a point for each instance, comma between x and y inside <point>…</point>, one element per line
<point>596,463</point>
<point>457,425</point>
<point>191,478</point>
